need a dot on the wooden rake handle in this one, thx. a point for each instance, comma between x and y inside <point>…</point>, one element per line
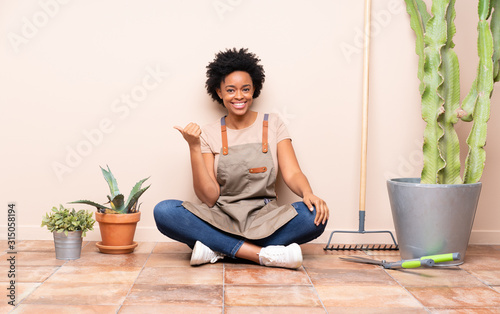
<point>366,83</point>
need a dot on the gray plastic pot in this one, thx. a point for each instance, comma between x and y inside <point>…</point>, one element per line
<point>68,247</point>
<point>432,218</point>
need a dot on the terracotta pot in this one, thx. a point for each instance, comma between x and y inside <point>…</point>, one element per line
<point>117,230</point>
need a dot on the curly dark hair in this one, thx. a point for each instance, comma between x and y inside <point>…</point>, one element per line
<point>226,62</point>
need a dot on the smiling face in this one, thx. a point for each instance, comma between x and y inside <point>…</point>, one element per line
<point>236,92</point>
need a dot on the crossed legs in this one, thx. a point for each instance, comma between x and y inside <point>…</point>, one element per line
<point>177,223</point>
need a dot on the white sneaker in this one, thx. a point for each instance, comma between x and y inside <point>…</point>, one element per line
<point>202,254</point>
<point>281,256</point>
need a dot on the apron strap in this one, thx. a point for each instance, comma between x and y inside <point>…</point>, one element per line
<point>264,133</point>
<point>224,135</point>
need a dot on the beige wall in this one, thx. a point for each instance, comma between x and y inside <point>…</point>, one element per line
<point>66,68</point>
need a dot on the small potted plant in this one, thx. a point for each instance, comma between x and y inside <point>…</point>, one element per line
<point>118,220</point>
<point>68,227</point>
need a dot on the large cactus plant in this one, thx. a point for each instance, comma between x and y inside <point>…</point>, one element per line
<point>117,203</point>
<point>438,71</point>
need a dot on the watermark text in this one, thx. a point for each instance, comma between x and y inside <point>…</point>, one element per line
<point>30,27</point>
<point>122,107</point>
<point>380,20</point>
<point>222,7</point>
<point>11,253</point>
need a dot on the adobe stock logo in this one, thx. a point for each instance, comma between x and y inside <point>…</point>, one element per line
<point>410,165</point>
<point>122,106</point>
<point>380,20</point>
<point>284,115</point>
<point>30,27</point>
<point>221,7</point>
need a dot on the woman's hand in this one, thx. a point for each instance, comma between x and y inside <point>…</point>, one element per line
<point>191,133</point>
<point>297,181</point>
<point>205,185</point>
<point>322,211</point>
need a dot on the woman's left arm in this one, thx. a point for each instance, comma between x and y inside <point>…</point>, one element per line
<point>297,181</point>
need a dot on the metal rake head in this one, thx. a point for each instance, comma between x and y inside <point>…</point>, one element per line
<point>362,247</point>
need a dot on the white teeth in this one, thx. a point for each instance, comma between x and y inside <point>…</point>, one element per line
<point>239,105</point>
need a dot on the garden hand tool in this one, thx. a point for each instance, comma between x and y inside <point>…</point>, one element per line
<point>425,261</point>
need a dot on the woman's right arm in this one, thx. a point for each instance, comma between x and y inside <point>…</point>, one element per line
<point>205,185</point>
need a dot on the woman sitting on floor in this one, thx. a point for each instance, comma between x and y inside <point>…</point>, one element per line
<point>234,163</point>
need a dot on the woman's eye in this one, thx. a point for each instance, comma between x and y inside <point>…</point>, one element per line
<point>230,90</point>
<point>246,89</point>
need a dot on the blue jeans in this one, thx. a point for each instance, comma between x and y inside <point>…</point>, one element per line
<point>178,223</point>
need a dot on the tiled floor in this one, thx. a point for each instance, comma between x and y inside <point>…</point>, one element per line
<point>157,278</point>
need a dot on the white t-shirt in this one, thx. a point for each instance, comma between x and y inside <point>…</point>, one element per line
<point>211,138</point>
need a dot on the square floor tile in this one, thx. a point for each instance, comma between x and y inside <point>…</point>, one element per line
<point>114,260</point>
<point>96,274</point>
<point>349,277</point>
<point>168,308</point>
<point>174,260</point>
<point>145,247</point>
<point>273,310</point>
<point>240,263</point>
<point>33,259</point>
<point>6,308</point>
<point>376,310</point>
<point>171,248</point>
<point>472,310</point>
<point>489,277</point>
<point>482,262</point>
<point>36,246</point>
<point>265,275</point>
<point>435,277</point>
<point>267,295</point>
<point>335,262</point>
<point>28,273</point>
<point>58,309</point>
<point>387,296</point>
<point>22,290</point>
<point>78,294</point>
<point>455,297</point>
<point>175,294</point>
<point>184,276</point>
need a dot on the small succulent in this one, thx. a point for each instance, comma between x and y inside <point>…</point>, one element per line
<point>117,203</point>
<point>66,220</point>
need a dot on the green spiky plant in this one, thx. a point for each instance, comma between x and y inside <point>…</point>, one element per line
<point>438,71</point>
<point>117,204</point>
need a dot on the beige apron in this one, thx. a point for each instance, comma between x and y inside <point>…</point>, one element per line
<point>247,205</point>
